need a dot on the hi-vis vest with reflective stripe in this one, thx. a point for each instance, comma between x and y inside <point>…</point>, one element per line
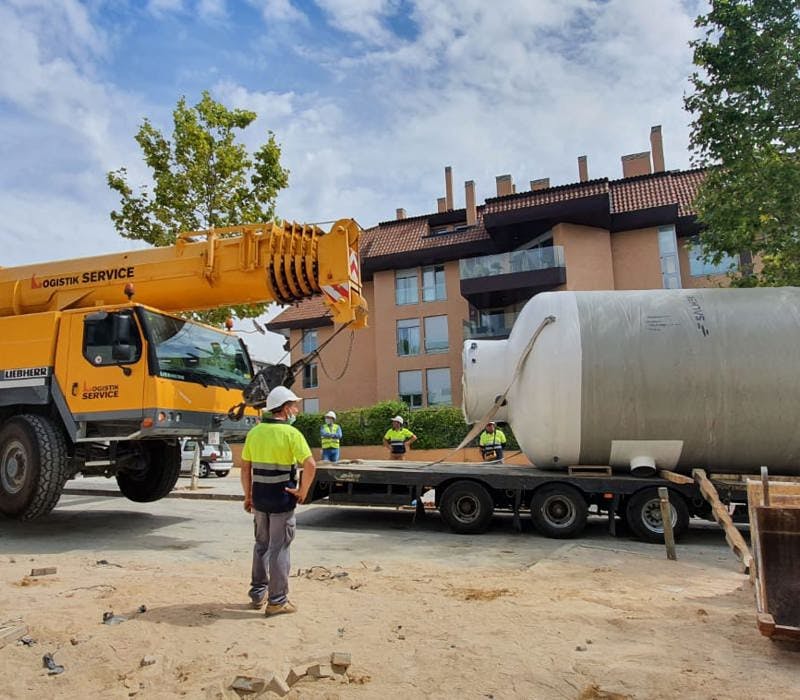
<point>329,436</point>
<point>495,439</point>
<point>397,437</point>
<point>273,448</point>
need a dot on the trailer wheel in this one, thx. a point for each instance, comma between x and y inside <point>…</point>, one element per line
<point>466,507</point>
<point>34,466</point>
<point>157,475</point>
<point>643,513</point>
<point>559,511</point>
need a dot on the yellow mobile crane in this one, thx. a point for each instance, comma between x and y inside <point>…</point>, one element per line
<point>97,374</point>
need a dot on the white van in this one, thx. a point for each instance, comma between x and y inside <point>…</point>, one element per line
<point>214,459</point>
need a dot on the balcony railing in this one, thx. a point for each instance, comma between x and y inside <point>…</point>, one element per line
<point>515,261</point>
<point>477,330</point>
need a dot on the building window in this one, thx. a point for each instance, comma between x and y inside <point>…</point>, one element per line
<point>408,336</point>
<point>310,405</point>
<point>406,287</point>
<point>310,376</point>
<point>668,254</point>
<point>433,285</point>
<point>438,381</point>
<point>698,267</point>
<point>436,334</point>
<point>309,340</point>
<point>409,387</point>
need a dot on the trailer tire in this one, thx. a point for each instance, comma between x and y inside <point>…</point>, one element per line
<point>466,507</point>
<point>643,514</point>
<point>559,511</point>
<point>34,466</point>
<point>157,477</point>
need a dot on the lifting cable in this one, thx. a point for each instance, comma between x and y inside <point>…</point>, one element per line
<point>346,362</point>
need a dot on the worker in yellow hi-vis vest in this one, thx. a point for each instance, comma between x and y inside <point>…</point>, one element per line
<point>491,442</point>
<point>397,439</point>
<point>330,436</point>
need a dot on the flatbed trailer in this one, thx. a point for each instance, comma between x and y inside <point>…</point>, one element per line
<point>558,502</point>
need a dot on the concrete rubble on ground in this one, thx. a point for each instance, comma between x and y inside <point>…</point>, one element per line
<point>333,669</point>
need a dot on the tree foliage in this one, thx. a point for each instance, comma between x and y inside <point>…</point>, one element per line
<point>746,111</point>
<point>201,178</point>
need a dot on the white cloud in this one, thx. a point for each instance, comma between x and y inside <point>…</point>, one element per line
<point>279,11</point>
<point>64,128</point>
<point>212,9</point>
<point>364,18</point>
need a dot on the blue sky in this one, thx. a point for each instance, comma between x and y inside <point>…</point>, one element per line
<point>370,99</point>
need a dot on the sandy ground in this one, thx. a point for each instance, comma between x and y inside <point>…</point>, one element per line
<point>588,620</point>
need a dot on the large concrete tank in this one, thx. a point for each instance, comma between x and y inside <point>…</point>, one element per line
<point>672,379</point>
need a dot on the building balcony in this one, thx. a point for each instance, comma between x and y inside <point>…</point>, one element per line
<point>508,278</point>
<point>489,328</point>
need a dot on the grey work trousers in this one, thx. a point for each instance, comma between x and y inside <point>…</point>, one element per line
<point>271,563</point>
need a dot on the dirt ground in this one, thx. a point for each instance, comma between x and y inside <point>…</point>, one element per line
<point>587,621</point>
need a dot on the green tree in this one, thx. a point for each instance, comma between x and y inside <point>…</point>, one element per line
<point>746,111</point>
<point>201,178</point>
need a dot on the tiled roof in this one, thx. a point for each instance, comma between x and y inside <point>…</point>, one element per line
<point>406,235</point>
<point>308,308</point>
<point>562,193</point>
<point>659,189</point>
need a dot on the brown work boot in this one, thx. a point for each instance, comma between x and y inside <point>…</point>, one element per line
<point>257,604</point>
<point>280,609</point>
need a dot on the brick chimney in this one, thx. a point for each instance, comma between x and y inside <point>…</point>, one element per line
<point>469,198</point>
<point>448,187</point>
<point>541,184</point>
<point>441,205</point>
<point>583,168</point>
<point>636,164</point>
<point>657,148</point>
<point>505,185</point>
<point>401,214</point>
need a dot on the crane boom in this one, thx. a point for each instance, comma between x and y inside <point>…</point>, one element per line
<point>281,262</point>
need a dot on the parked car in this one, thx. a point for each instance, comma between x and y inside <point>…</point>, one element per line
<point>214,459</point>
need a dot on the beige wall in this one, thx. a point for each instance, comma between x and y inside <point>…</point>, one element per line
<point>587,254</point>
<point>357,387</point>
<point>373,452</point>
<point>636,260</point>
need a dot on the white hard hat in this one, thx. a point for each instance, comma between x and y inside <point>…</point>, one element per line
<point>399,419</point>
<point>279,396</point>
<point>330,414</point>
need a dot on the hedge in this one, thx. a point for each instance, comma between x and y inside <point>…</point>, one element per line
<point>442,427</point>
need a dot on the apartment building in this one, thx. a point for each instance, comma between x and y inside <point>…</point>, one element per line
<point>435,280</point>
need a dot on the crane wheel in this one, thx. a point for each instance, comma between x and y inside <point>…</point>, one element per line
<point>34,466</point>
<point>158,475</point>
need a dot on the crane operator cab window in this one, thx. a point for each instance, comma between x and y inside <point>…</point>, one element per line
<point>111,338</point>
<point>191,352</point>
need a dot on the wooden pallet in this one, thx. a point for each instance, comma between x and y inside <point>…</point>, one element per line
<point>589,470</point>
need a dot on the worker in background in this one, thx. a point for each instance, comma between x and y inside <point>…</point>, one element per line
<point>491,443</point>
<point>272,451</point>
<point>330,436</point>
<point>398,439</point>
